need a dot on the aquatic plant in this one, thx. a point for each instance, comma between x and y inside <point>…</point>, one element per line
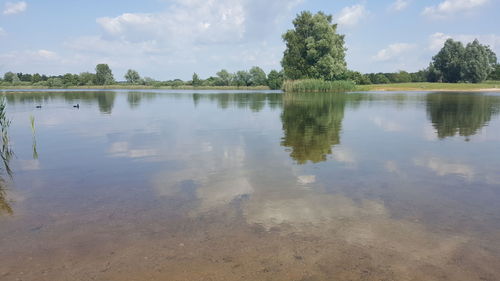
<point>32,121</point>
<point>318,85</point>
<point>5,149</point>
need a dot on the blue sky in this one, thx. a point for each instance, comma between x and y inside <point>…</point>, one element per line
<point>172,39</point>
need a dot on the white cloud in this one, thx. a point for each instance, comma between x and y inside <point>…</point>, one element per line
<point>12,8</point>
<point>453,7</point>
<point>386,125</point>
<point>190,34</point>
<point>442,167</point>
<point>350,16</point>
<point>436,40</point>
<point>198,21</point>
<point>344,155</point>
<point>400,5</point>
<point>393,51</point>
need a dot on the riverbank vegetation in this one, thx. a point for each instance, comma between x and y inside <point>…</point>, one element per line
<point>103,78</point>
<point>318,86</point>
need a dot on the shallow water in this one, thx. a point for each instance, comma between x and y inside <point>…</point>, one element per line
<point>166,185</point>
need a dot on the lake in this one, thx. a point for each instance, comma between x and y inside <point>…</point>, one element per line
<point>234,185</point>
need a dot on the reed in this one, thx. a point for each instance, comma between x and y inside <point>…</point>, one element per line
<point>318,86</point>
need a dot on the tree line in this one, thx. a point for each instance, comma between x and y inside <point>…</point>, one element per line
<point>104,76</point>
<point>314,50</point>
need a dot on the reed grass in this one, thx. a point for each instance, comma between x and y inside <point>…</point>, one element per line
<point>318,86</point>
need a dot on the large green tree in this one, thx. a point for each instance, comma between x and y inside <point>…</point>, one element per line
<point>479,62</point>
<point>132,76</point>
<point>313,48</point>
<point>104,75</point>
<point>275,79</point>
<point>224,78</point>
<point>258,76</point>
<point>449,61</point>
<point>456,63</point>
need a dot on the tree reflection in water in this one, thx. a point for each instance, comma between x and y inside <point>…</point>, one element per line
<point>460,113</point>
<point>312,125</point>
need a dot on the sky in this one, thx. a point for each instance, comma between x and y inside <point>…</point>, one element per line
<point>172,39</point>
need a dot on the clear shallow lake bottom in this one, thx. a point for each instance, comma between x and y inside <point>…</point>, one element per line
<point>207,185</point>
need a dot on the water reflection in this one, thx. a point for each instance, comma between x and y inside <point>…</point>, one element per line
<point>253,101</point>
<point>312,124</point>
<point>462,114</point>
<point>210,181</point>
<point>104,99</point>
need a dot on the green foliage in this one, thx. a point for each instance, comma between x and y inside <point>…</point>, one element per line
<point>449,61</point>
<point>313,48</point>
<point>258,76</point>
<point>10,77</point>
<point>36,78</point>
<point>132,77</point>
<point>104,75</point>
<point>479,62</point>
<point>312,125</point>
<point>318,85</point>
<point>243,78</point>
<point>55,83</point>
<point>224,78</point>
<point>495,74</point>
<point>69,79</point>
<point>86,79</point>
<point>455,63</point>
<point>275,79</point>
<point>196,81</point>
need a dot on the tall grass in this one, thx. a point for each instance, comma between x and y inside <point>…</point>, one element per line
<point>5,150</point>
<point>35,152</point>
<point>318,86</point>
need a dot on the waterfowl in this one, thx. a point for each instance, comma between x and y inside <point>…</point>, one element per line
<point>38,106</point>
<point>77,105</point>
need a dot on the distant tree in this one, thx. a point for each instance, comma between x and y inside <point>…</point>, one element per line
<point>365,80</point>
<point>55,82</point>
<point>224,78</point>
<point>86,79</point>
<point>275,79</point>
<point>419,76</point>
<point>313,48</point>
<point>196,81</point>
<point>24,77</point>
<point>478,62</point>
<point>403,77</point>
<point>148,81</point>
<point>36,78</point>
<point>70,79</point>
<point>104,75</point>
<point>380,78</point>
<point>243,78</point>
<point>258,76</point>
<point>10,77</point>
<point>449,61</point>
<point>132,76</point>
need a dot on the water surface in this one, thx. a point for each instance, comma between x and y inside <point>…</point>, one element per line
<point>209,185</point>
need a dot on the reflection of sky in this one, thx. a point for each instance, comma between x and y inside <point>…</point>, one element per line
<point>388,152</point>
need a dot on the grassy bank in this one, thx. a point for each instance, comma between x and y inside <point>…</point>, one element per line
<point>140,87</point>
<point>426,86</point>
<point>317,86</point>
